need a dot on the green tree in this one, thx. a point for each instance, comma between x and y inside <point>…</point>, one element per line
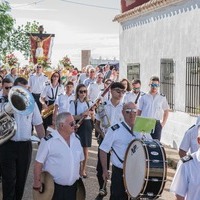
<point>14,38</point>
<point>20,40</point>
<point>6,27</point>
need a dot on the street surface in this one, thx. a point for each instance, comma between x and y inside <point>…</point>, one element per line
<point>91,184</point>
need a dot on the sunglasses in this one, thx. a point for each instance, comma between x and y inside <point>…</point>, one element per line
<point>7,88</point>
<point>82,91</point>
<point>73,123</point>
<point>136,89</point>
<point>154,85</point>
<point>38,67</point>
<point>119,91</point>
<point>130,110</point>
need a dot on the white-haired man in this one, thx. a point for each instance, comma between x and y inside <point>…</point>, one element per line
<point>61,154</point>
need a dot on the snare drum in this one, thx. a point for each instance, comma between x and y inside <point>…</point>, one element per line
<point>145,169</point>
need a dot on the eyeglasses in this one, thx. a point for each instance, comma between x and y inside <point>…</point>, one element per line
<point>55,76</point>
<point>119,91</point>
<point>130,110</point>
<point>73,123</point>
<point>82,91</point>
<point>136,89</point>
<point>154,85</point>
<point>7,88</point>
<point>38,67</point>
<point>100,77</point>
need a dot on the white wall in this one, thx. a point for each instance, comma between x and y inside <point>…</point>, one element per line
<point>171,32</point>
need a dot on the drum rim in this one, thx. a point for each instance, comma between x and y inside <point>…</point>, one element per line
<point>125,158</point>
<point>164,167</point>
<point>164,178</point>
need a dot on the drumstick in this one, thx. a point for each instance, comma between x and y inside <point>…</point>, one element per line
<point>102,191</point>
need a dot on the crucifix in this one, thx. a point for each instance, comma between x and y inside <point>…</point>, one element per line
<point>41,44</point>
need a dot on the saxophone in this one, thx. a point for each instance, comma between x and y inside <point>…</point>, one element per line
<point>47,112</point>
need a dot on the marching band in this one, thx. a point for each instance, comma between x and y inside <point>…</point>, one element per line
<point>71,110</point>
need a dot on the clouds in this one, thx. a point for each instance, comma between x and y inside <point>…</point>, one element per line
<point>75,27</point>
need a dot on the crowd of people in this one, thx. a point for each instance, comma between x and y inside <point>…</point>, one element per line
<point>95,99</point>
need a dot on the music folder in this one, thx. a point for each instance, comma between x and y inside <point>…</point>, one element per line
<point>144,124</point>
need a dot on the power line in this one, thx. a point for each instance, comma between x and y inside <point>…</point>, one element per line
<point>90,5</point>
<point>28,4</point>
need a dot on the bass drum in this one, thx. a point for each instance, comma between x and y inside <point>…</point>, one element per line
<point>145,169</point>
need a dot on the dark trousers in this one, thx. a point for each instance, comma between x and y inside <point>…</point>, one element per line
<point>65,192</point>
<point>37,100</point>
<point>99,168</point>
<point>117,190</point>
<point>157,132</point>
<point>15,159</point>
<point>48,120</point>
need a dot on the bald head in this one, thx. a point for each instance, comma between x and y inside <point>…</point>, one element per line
<point>129,112</point>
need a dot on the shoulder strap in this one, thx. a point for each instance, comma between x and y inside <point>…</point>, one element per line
<point>117,155</point>
<point>75,104</point>
<point>88,104</point>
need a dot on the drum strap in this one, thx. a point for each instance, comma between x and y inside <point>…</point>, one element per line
<point>128,129</point>
<point>117,155</point>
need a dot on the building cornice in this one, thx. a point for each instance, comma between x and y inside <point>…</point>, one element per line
<point>145,8</point>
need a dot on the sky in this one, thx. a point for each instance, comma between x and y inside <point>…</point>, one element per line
<point>76,26</point>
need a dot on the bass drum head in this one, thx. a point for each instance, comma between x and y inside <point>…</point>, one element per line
<point>134,168</point>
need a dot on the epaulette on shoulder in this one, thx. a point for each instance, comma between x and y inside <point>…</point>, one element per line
<point>48,137</point>
<point>115,127</point>
<point>186,158</point>
<point>60,94</point>
<point>45,75</point>
<point>77,136</point>
<point>142,93</point>
<point>161,94</point>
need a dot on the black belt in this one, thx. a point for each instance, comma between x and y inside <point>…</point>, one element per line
<point>66,186</point>
<point>117,169</point>
<point>36,94</point>
<point>12,141</point>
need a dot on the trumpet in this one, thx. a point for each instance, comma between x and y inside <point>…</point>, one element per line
<point>47,112</point>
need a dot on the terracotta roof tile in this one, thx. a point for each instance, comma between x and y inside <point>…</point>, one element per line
<point>144,8</point>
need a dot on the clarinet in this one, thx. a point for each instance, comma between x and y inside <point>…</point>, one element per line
<point>136,100</point>
<point>95,105</point>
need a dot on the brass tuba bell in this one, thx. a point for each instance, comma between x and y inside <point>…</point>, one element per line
<point>21,101</point>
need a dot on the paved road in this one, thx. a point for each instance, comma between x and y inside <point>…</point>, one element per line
<point>91,184</point>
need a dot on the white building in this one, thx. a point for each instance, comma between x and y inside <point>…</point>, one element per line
<point>161,37</point>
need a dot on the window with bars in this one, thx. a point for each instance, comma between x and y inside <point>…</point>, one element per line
<point>192,99</point>
<point>167,80</point>
<point>133,71</point>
